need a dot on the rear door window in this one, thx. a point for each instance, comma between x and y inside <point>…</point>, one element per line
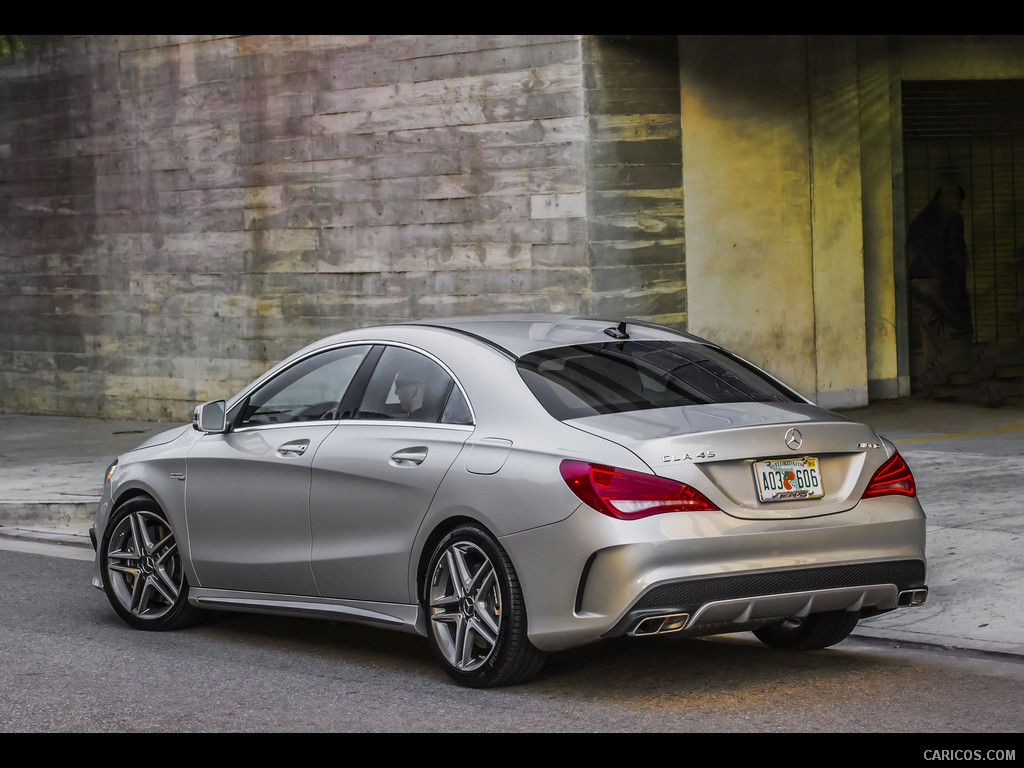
<point>409,386</point>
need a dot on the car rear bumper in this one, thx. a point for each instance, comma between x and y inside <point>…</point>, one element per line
<point>732,603</point>
<point>591,576</point>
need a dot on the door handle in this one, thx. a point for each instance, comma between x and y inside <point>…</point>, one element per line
<point>298,447</point>
<point>409,457</point>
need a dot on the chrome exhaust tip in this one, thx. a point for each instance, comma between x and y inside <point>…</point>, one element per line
<point>912,597</point>
<point>659,625</point>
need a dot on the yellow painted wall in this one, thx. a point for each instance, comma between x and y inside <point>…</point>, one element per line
<point>771,182</point>
<point>793,189</point>
<point>884,289</point>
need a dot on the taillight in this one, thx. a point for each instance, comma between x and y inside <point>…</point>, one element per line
<point>629,495</point>
<point>893,477</point>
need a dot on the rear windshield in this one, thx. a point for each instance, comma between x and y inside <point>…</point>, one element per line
<point>636,375</point>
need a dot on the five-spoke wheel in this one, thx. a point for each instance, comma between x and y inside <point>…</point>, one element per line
<point>142,572</point>
<point>476,612</point>
<point>465,604</point>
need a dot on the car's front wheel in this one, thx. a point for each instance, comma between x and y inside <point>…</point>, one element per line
<point>819,630</point>
<point>476,612</point>
<point>142,572</point>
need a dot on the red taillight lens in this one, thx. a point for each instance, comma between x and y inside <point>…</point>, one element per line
<point>629,495</point>
<point>893,477</point>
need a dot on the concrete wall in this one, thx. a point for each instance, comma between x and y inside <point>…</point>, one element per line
<point>837,243</point>
<point>180,211</point>
<point>635,216</point>
<point>771,178</point>
<point>885,291</point>
<point>959,57</point>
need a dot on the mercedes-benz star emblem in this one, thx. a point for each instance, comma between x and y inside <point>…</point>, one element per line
<point>794,439</point>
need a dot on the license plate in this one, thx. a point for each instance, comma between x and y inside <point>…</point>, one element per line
<point>788,479</point>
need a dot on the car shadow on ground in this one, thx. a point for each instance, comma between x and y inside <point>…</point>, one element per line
<point>726,665</point>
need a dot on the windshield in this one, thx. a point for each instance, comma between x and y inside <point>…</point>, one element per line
<point>616,377</point>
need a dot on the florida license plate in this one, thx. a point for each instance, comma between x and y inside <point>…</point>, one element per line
<point>788,479</point>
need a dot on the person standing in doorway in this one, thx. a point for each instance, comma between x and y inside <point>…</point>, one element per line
<point>938,285</point>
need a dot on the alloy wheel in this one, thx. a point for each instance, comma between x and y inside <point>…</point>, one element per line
<point>143,565</point>
<point>464,601</point>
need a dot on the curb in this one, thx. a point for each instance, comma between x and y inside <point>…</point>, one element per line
<point>69,536</point>
<point>50,513</point>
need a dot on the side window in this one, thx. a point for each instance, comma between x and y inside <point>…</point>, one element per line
<point>310,390</point>
<point>456,410</point>
<point>411,387</point>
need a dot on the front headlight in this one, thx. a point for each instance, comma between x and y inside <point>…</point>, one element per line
<point>110,472</point>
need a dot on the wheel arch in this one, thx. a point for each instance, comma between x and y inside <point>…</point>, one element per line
<point>438,532</point>
<point>125,495</point>
<point>141,567</point>
<point>472,577</point>
<point>175,515</point>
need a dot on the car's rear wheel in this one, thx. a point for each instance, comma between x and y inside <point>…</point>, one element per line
<point>142,572</point>
<point>476,612</point>
<point>819,630</point>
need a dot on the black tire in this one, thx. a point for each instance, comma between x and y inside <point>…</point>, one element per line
<point>142,572</point>
<point>476,615</point>
<point>819,630</point>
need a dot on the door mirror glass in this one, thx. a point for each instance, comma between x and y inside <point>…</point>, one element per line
<point>210,417</point>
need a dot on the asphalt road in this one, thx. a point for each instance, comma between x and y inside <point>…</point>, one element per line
<point>67,664</point>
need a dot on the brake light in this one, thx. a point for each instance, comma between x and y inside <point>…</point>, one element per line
<point>629,495</point>
<point>892,478</point>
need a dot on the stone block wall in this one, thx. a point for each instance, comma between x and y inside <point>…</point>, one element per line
<point>179,212</point>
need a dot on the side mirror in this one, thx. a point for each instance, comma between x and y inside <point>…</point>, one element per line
<point>210,417</point>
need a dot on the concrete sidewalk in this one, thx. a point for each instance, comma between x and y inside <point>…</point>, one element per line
<point>968,462</point>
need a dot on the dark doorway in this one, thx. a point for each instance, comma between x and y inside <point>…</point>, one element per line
<point>970,134</point>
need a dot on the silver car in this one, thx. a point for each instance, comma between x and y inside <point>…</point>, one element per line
<point>511,486</point>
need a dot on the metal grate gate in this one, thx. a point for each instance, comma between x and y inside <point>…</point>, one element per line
<point>971,132</point>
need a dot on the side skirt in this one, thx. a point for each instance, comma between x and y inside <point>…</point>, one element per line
<point>405,618</point>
